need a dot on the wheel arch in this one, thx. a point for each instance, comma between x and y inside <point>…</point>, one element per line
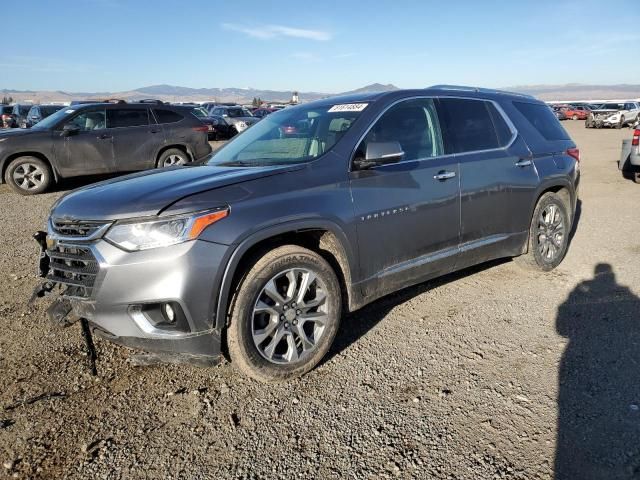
<point>10,158</point>
<point>561,187</point>
<point>324,238</point>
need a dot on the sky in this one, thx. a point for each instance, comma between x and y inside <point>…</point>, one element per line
<point>323,46</point>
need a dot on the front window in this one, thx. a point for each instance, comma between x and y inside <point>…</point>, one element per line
<point>90,120</point>
<point>294,135</point>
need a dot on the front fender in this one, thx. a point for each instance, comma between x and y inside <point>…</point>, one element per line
<point>256,237</point>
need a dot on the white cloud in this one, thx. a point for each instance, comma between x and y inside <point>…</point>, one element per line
<point>344,55</point>
<point>272,31</point>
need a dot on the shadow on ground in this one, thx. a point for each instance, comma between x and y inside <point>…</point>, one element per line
<point>599,381</point>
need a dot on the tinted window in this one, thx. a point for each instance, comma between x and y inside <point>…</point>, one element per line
<point>49,110</point>
<point>542,120</point>
<point>413,124</point>
<point>469,125</point>
<point>127,117</point>
<point>167,116</point>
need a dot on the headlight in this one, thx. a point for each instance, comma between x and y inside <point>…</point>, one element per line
<point>146,234</point>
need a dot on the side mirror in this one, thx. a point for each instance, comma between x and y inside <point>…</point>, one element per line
<point>380,153</point>
<point>69,129</point>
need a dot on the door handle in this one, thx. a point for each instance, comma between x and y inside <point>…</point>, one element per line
<point>444,175</point>
<point>104,136</point>
<point>523,163</point>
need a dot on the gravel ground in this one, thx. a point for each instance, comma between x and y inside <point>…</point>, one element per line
<point>494,372</point>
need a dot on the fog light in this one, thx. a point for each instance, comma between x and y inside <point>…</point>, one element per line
<point>169,313</point>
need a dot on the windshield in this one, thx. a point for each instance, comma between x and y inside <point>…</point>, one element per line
<point>48,110</point>
<point>53,119</point>
<point>294,135</point>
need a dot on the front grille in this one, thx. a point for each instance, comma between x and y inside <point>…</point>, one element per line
<point>76,228</point>
<point>73,267</point>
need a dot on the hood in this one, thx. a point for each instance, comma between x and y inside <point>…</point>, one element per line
<point>148,193</point>
<point>15,132</point>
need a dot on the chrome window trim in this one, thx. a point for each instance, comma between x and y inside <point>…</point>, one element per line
<point>505,117</point>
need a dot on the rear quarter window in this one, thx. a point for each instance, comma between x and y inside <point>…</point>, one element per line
<point>167,116</point>
<point>543,120</point>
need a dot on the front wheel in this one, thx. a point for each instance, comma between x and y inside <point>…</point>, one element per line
<point>285,315</point>
<point>28,175</point>
<point>548,234</point>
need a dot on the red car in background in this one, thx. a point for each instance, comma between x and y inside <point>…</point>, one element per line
<point>578,112</point>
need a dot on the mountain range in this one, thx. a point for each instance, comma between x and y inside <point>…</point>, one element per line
<point>174,93</point>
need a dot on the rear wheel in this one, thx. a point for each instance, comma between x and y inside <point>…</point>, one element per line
<point>172,157</point>
<point>28,175</point>
<point>285,315</point>
<point>548,234</point>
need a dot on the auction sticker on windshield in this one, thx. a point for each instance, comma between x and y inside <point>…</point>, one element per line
<point>348,107</point>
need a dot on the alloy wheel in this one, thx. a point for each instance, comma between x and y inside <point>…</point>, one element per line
<point>290,316</point>
<point>28,176</point>
<point>173,160</point>
<point>550,232</point>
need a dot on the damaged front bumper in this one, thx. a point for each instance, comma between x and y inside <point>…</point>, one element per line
<point>123,296</point>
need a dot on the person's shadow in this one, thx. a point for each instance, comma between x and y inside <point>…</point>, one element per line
<point>599,382</point>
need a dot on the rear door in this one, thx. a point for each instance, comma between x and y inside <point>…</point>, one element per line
<point>497,178</point>
<point>407,213</point>
<point>135,139</point>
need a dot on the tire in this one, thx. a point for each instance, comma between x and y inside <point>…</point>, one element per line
<point>539,254</point>
<point>172,157</point>
<point>253,330</point>
<point>621,124</point>
<point>28,175</point>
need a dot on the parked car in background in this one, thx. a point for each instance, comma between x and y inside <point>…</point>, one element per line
<point>5,115</point>
<point>38,113</point>
<point>211,105</point>
<point>577,112</point>
<point>100,138</point>
<point>218,129</point>
<point>558,112</point>
<point>237,118</point>
<point>18,114</point>
<point>263,112</point>
<point>616,115</point>
<point>270,243</point>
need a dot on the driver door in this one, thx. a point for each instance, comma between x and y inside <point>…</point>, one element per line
<point>89,149</point>
<point>407,213</point>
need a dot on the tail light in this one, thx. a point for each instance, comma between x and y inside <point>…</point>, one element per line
<point>574,152</point>
<point>201,128</point>
<point>636,137</point>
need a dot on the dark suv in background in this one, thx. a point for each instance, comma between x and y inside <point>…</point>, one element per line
<point>100,138</point>
<point>37,113</point>
<point>18,114</point>
<point>269,243</point>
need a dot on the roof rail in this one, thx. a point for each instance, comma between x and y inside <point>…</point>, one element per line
<point>150,100</point>
<point>463,88</point>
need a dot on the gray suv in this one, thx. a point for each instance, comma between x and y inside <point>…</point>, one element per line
<point>100,138</point>
<point>268,244</point>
